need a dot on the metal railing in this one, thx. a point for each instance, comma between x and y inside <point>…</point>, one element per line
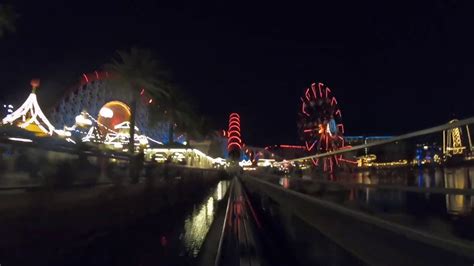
<point>224,226</point>
<point>406,136</point>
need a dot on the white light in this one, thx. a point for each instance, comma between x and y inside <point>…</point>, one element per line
<point>82,121</point>
<point>20,139</point>
<point>10,106</point>
<point>143,140</point>
<point>70,140</point>
<point>185,143</point>
<point>106,112</point>
<point>63,133</point>
<point>36,116</point>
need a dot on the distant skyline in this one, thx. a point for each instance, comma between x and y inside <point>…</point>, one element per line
<point>393,69</point>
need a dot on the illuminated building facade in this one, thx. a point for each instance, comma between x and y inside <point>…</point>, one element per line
<point>457,141</point>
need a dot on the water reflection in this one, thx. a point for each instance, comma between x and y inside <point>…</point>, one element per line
<point>460,178</point>
<point>284,182</point>
<point>198,223</point>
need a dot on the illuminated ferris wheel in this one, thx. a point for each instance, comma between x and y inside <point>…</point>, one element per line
<point>320,124</point>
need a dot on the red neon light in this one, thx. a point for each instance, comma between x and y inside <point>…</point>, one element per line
<point>338,112</point>
<point>315,162</point>
<point>233,132</point>
<point>325,167</point>
<point>292,146</point>
<point>327,92</point>
<point>96,74</point>
<point>337,161</point>
<point>307,94</point>
<point>320,91</point>
<point>230,130</point>
<point>308,147</point>
<point>234,144</point>
<point>234,137</point>
<point>234,126</point>
<point>303,108</point>
<point>333,101</point>
<point>85,77</point>
<point>330,164</point>
<point>223,133</point>
<point>313,88</point>
<point>142,91</point>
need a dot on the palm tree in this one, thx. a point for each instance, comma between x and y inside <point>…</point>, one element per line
<point>135,70</point>
<point>177,111</point>
<point>8,17</point>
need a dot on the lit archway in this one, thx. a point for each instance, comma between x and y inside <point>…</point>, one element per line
<point>112,114</point>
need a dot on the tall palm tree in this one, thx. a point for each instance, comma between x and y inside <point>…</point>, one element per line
<point>135,70</point>
<point>8,17</point>
<point>177,111</point>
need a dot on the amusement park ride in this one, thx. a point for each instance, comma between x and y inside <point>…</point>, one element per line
<point>320,125</point>
<point>320,128</point>
<point>30,117</point>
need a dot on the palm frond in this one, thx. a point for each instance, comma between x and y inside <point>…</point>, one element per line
<point>8,17</point>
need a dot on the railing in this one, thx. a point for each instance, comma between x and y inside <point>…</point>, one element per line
<point>443,127</point>
<point>224,225</point>
<point>33,163</point>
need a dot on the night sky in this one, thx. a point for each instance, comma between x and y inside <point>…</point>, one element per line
<point>393,68</point>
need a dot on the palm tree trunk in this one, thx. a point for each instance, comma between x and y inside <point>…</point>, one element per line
<point>131,142</point>
<point>133,167</point>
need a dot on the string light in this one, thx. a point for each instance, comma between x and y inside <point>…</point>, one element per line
<point>28,114</point>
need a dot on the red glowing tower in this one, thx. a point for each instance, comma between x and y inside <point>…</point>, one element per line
<point>234,140</point>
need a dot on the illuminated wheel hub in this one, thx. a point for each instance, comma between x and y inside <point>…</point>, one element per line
<point>112,114</point>
<point>320,124</point>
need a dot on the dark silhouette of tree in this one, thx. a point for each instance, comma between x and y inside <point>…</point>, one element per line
<point>135,70</point>
<point>180,113</point>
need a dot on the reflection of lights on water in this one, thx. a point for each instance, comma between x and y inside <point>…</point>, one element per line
<point>210,205</point>
<point>284,182</point>
<point>457,204</point>
<point>196,228</point>
<point>219,191</point>
<point>198,223</point>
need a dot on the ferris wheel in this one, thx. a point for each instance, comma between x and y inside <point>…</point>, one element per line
<point>320,124</point>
